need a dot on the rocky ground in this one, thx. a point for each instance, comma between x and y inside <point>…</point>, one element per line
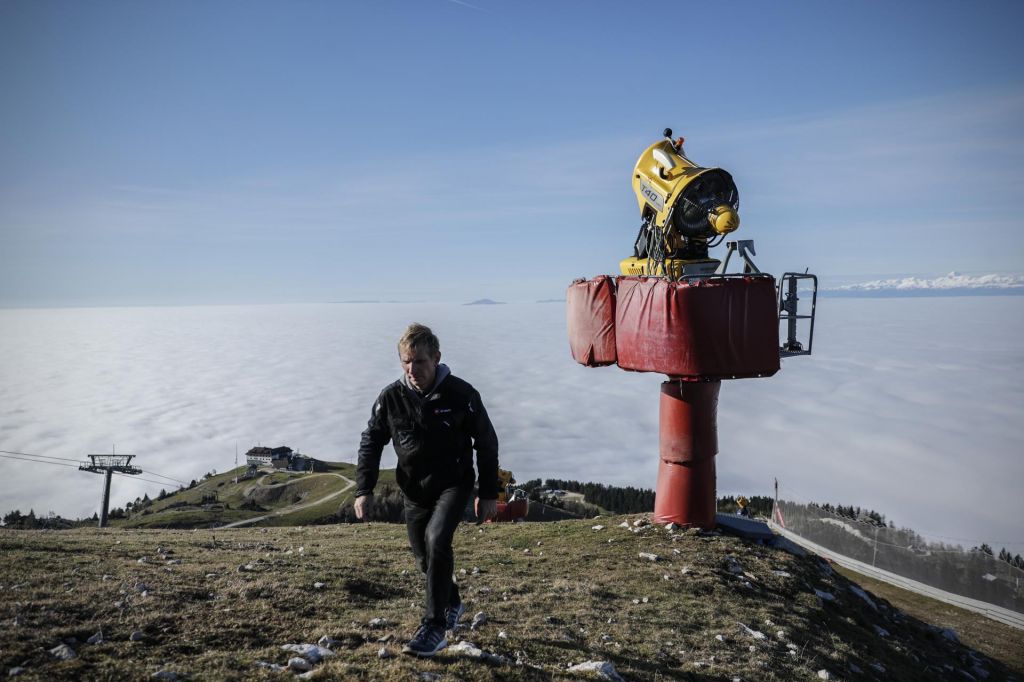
<point>609,598</point>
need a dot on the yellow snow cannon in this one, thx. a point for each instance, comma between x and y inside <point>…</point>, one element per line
<point>684,209</point>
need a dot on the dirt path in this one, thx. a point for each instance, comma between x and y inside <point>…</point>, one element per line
<point>297,506</point>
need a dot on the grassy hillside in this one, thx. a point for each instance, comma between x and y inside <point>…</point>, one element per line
<point>272,494</point>
<point>209,605</point>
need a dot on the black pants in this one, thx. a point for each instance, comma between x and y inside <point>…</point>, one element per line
<point>431,529</point>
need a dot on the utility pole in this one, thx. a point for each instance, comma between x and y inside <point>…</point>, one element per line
<point>108,464</point>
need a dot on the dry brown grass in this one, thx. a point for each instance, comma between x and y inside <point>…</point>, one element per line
<point>577,594</point>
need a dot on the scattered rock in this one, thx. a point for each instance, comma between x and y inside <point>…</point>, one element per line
<point>95,639</point>
<point>463,571</point>
<point>429,677</point>
<point>384,653</point>
<point>733,566</point>
<point>863,595</point>
<point>479,619</point>
<point>15,671</point>
<point>782,574</point>
<point>603,669</point>
<point>378,623</point>
<point>136,636</point>
<point>527,551</point>
<point>648,556</point>
<point>949,634</point>
<point>63,652</point>
<point>720,638</point>
<point>476,569</point>
<point>624,524</point>
<point>671,525</point>
<point>882,632</point>
<point>825,596</point>
<point>640,523</point>
<point>327,642</point>
<point>753,633</point>
<point>299,664</point>
<point>684,570</point>
<point>597,527</point>
<point>319,585</point>
<point>142,560</point>
<point>173,562</point>
<point>878,667</point>
<point>781,634</point>
<point>310,652</point>
<point>169,675</point>
<point>502,635</point>
<point>855,669</point>
<point>824,674</point>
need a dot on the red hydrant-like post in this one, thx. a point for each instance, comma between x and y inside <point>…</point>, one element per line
<point>688,417</point>
<point>698,333</point>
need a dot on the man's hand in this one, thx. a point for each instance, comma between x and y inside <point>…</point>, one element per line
<point>486,510</point>
<point>362,506</point>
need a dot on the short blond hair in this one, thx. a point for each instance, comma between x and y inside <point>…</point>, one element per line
<point>419,336</point>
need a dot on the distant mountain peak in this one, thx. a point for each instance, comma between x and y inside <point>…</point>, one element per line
<point>484,301</point>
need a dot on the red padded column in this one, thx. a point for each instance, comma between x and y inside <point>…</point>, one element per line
<point>686,490</point>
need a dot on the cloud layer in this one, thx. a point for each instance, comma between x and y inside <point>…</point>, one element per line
<point>908,406</point>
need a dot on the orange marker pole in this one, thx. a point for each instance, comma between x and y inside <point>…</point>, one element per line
<point>686,491</point>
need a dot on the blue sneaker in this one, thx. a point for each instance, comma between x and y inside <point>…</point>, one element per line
<point>428,640</point>
<point>453,615</point>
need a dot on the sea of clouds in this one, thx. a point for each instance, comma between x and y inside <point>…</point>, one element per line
<point>911,407</point>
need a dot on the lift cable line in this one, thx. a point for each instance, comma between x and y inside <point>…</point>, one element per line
<point>78,461</point>
<point>37,461</point>
<point>26,454</point>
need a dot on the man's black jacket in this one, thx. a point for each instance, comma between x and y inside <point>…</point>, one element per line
<point>434,437</point>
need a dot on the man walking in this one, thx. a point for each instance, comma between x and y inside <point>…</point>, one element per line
<point>434,420</point>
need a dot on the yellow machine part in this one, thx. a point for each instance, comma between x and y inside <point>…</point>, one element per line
<point>659,178</point>
<point>677,267</point>
<point>505,479</point>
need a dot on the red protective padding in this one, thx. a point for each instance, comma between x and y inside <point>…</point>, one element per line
<point>688,420</point>
<point>685,494</point>
<point>688,425</point>
<point>714,328</point>
<point>590,318</point>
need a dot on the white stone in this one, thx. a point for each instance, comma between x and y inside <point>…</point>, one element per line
<point>467,649</point>
<point>624,524</point>
<point>479,619</point>
<point>310,652</point>
<point>299,664</point>
<point>753,633</point>
<point>15,671</point>
<point>63,652</point>
<point>168,675</point>
<point>384,653</point>
<point>720,638</point>
<point>319,585</point>
<point>648,556</point>
<point>597,527</point>
<point>604,670</point>
<point>95,639</point>
<point>824,674</point>
<point>327,642</point>
<point>825,596</point>
<point>378,623</point>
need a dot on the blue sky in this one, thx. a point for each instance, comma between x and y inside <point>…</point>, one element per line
<point>219,152</point>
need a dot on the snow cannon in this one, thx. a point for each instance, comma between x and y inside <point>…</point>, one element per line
<point>676,311</point>
<point>513,502</point>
